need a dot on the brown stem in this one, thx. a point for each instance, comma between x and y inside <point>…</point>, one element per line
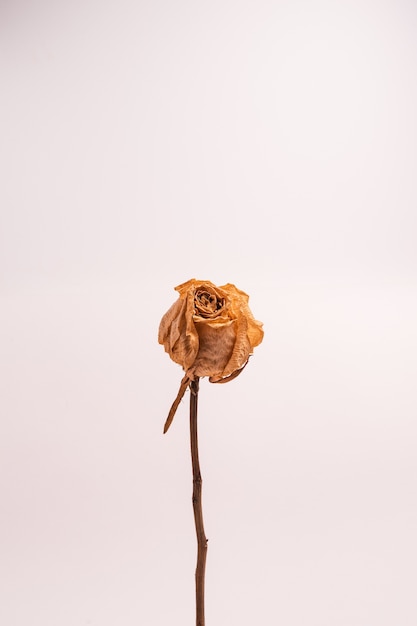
<point>198,511</point>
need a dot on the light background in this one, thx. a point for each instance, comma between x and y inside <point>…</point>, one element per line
<point>268,144</point>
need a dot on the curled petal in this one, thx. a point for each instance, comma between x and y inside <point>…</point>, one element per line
<point>178,335</point>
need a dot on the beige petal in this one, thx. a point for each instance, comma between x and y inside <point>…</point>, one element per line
<point>178,335</point>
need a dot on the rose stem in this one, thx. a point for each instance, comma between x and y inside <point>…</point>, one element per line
<point>198,511</point>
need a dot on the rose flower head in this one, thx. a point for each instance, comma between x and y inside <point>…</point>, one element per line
<point>209,331</point>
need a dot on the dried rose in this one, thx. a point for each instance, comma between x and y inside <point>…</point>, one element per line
<point>210,331</point>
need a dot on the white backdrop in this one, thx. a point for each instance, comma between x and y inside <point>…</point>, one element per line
<point>267,144</point>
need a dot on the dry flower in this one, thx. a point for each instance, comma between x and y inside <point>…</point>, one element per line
<point>209,331</point>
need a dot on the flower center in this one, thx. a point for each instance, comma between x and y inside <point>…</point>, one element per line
<point>207,304</point>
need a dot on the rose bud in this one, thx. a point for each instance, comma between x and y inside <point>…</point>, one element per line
<point>209,331</point>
